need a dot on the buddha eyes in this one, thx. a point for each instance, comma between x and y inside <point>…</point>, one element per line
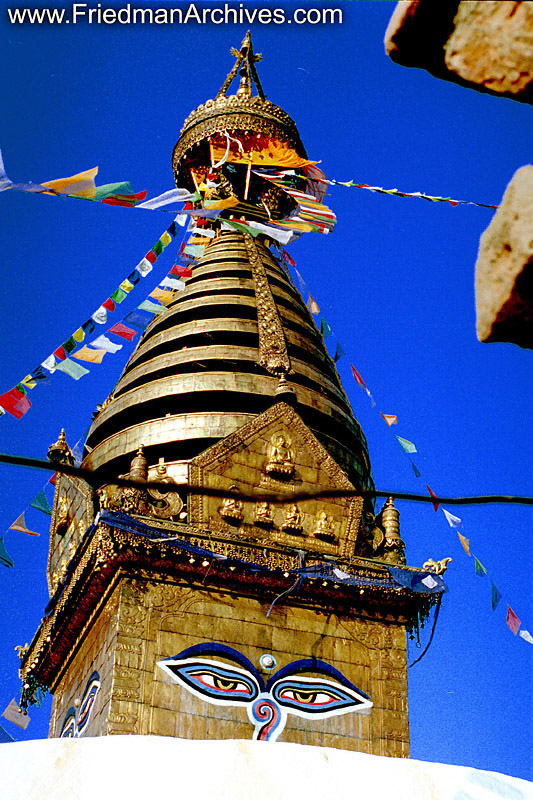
<point>312,696</point>
<point>213,680</point>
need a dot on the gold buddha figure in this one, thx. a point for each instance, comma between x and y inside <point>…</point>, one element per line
<point>323,528</point>
<point>293,521</point>
<point>280,462</point>
<point>231,510</point>
<point>263,515</point>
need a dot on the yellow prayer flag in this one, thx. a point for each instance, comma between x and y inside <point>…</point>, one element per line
<point>79,335</point>
<point>82,184</point>
<point>228,203</point>
<point>126,286</point>
<point>88,354</point>
<point>163,295</point>
<point>20,525</point>
<point>166,238</point>
<point>269,153</point>
<point>29,382</point>
<point>390,419</point>
<point>465,542</point>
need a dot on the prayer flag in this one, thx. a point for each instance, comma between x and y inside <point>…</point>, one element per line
<point>100,316</point>
<point>29,382</point>
<point>286,257</point>
<point>119,295</point>
<point>158,248</point>
<point>178,269</point>
<point>79,335</point>
<point>453,521</point>
<point>496,596</point>
<point>360,382</point>
<point>70,345</point>
<point>417,472</point>
<point>121,330</point>
<point>88,354</point>
<point>138,320</point>
<point>123,199</point>
<point>301,283</point>
<point>169,198</point>
<point>527,636</point>
<point>173,283</point>
<point>70,367</point>
<point>429,581</point>
<point>195,250</point>
<point>390,419</point>
<point>5,558</point>
<point>76,452</point>
<point>49,364</point>
<point>135,277</point>
<point>20,525</point>
<point>150,257</point>
<point>109,305</point>
<point>325,330</point>
<point>39,375</point>
<point>40,502</point>
<point>5,737</point>
<point>15,402</point>
<point>465,542</point>
<point>163,295</point>
<point>81,185</point>
<point>406,445</point>
<point>312,306</point>
<point>106,190</point>
<point>103,343</point>
<point>480,569</point>
<point>88,326</point>
<point>126,286</point>
<point>14,714</point>
<point>143,267</point>
<point>166,238</point>
<point>153,308</point>
<point>432,494</point>
<point>339,353</point>
<point>513,623</point>
<point>60,353</point>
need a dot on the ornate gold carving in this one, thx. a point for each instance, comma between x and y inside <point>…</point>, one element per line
<point>62,520</point>
<point>437,567</point>
<point>60,452</point>
<point>273,355</point>
<point>280,462</point>
<point>293,521</point>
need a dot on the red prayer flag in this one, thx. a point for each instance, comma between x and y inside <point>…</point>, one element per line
<point>125,199</point>
<point>122,330</point>
<point>178,269</point>
<point>432,494</point>
<point>151,257</point>
<point>512,620</point>
<point>109,305</point>
<point>60,353</point>
<point>358,378</point>
<point>15,403</point>
<point>287,258</point>
<point>20,407</point>
<point>52,480</point>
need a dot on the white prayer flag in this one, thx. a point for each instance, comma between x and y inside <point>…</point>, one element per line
<point>103,343</point>
<point>526,635</point>
<point>453,522</point>
<point>100,316</point>
<point>15,715</point>
<point>172,283</point>
<point>144,267</point>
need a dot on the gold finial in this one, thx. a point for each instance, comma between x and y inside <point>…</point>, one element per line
<point>139,466</point>
<point>245,66</point>
<point>60,452</point>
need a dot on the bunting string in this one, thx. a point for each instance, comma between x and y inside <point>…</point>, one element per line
<point>407,446</point>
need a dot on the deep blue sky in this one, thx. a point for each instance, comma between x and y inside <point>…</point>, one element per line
<point>394,281</point>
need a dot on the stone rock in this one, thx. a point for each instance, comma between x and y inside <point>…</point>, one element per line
<point>504,267</point>
<point>483,44</point>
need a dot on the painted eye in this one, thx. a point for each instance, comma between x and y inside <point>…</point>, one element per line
<point>87,702</point>
<point>309,697</point>
<point>213,680</point>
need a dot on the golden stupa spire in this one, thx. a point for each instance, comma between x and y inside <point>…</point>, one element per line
<point>245,66</point>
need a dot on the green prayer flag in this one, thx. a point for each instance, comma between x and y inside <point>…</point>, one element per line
<point>339,353</point>
<point>41,503</point>
<point>21,388</point>
<point>406,445</point>
<point>417,472</point>
<point>244,228</point>
<point>124,187</point>
<point>70,344</point>
<point>73,369</point>
<point>480,569</point>
<point>5,558</point>
<point>496,596</point>
<point>153,308</point>
<point>119,295</point>
<point>158,248</point>
<point>325,330</point>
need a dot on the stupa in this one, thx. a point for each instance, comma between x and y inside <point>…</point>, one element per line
<point>255,592</point>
